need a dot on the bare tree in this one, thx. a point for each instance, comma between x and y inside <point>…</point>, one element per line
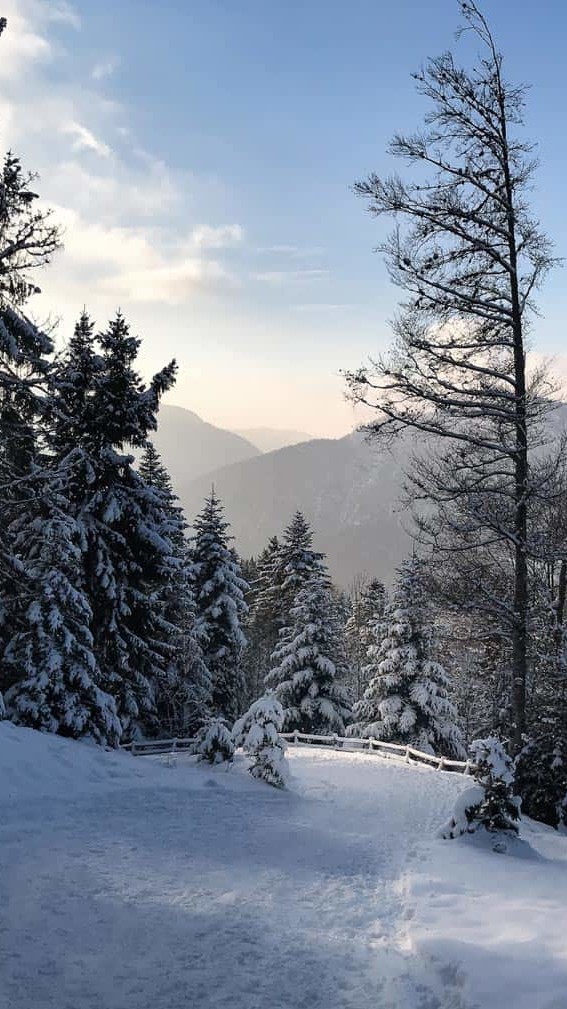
<point>469,261</point>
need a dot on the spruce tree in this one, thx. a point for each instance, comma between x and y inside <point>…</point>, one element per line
<point>101,407</point>
<point>305,676</point>
<point>362,629</point>
<point>183,695</point>
<point>258,733</point>
<point>221,608</point>
<point>406,700</point>
<point>50,658</point>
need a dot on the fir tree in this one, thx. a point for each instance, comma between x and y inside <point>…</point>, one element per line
<point>304,678</point>
<point>183,695</point>
<point>214,743</point>
<point>258,733</point>
<point>406,700</point>
<point>221,608</point>
<point>362,628</point>
<point>101,405</point>
<point>50,658</point>
<point>491,803</point>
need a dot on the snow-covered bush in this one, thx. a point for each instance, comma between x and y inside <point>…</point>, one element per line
<point>214,743</point>
<point>258,733</point>
<point>491,802</point>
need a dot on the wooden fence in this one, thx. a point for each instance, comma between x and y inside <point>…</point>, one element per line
<point>153,747</point>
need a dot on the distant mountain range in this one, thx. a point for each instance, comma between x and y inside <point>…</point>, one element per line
<point>348,489</point>
<point>190,447</point>
<point>345,487</point>
<point>268,439</point>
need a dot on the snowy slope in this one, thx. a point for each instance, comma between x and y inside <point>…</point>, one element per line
<point>125,884</point>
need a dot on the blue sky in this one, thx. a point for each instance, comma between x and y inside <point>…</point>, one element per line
<point>200,155</point>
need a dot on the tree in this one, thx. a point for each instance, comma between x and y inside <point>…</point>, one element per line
<point>304,678</point>
<point>101,405</point>
<point>219,598</point>
<point>214,743</point>
<point>258,733</point>
<point>50,658</point>
<point>491,803</point>
<point>183,695</point>
<point>469,264</point>
<point>367,611</point>
<point>406,700</point>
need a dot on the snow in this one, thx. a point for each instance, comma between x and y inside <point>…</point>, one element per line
<point>128,884</point>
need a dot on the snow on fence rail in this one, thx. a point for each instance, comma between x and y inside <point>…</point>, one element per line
<point>372,745</point>
<point>149,747</point>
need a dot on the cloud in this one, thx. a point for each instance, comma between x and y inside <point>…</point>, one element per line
<point>207,237</point>
<point>279,278</point>
<point>126,216</point>
<point>104,69</point>
<point>321,307</point>
<point>85,140</point>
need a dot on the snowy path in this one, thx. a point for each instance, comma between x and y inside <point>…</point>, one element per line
<point>186,887</point>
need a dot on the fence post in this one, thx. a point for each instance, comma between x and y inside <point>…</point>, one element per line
<point>407,755</point>
<point>174,744</point>
<point>295,735</point>
<point>441,764</point>
<point>467,769</point>
<point>133,748</point>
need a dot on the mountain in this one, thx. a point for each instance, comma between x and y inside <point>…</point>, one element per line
<point>190,447</point>
<point>346,488</point>
<point>268,439</point>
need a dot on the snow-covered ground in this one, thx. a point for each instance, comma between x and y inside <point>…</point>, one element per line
<point>125,884</point>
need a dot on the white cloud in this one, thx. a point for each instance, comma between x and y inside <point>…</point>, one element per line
<point>206,237</point>
<point>281,277</point>
<point>104,69</point>
<point>85,140</point>
<point>126,216</point>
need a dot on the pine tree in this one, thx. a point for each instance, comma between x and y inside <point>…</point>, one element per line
<point>406,700</point>
<point>490,803</point>
<point>50,658</point>
<point>183,696</point>
<point>304,677</point>
<point>221,609</point>
<point>362,628</point>
<point>101,406</point>
<point>258,733</point>
<point>214,743</point>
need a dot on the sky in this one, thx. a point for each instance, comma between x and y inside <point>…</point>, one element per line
<point>200,156</point>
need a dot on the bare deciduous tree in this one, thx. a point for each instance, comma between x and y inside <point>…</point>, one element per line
<point>469,260</point>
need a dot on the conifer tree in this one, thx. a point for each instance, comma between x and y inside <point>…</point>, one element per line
<point>183,696</point>
<point>304,678</point>
<point>50,658</point>
<point>406,700</point>
<point>101,406</point>
<point>362,628</point>
<point>258,733</point>
<point>221,608</point>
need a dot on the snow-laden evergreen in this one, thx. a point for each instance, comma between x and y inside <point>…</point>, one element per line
<point>219,597</point>
<point>102,406</point>
<point>183,695</point>
<point>304,676</point>
<point>490,803</point>
<point>258,733</point>
<point>407,700</point>
<point>50,658</point>
<point>363,628</point>
<point>214,743</point>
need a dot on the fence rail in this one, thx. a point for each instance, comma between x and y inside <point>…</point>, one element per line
<point>372,745</point>
<point>151,747</point>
